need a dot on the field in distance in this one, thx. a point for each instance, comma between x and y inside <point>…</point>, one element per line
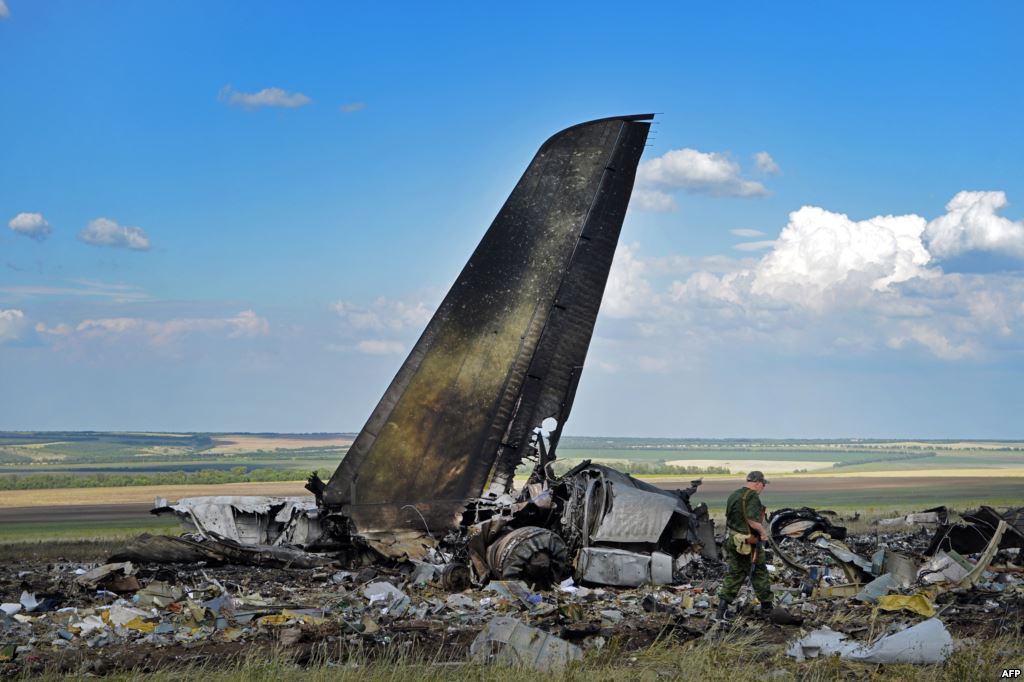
<point>148,458</point>
<point>97,484</point>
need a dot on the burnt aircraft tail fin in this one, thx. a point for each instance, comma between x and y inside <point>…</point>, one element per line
<point>505,349</point>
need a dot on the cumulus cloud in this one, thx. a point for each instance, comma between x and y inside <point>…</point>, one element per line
<point>106,232</point>
<point>627,288</point>
<point>699,172</point>
<point>819,250</point>
<point>245,324</point>
<point>830,283</point>
<point>267,97</point>
<point>31,225</point>
<point>766,164</point>
<point>972,223</point>
<point>747,233</point>
<point>12,323</point>
<point>352,107</point>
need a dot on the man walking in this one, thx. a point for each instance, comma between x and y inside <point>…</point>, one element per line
<point>744,546</point>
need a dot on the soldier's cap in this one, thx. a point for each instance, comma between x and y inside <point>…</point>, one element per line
<point>756,477</point>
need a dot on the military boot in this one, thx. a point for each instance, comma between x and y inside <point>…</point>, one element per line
<point>721,614</point>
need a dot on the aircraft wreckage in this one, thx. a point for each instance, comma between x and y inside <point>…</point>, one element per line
<point>430,476</point>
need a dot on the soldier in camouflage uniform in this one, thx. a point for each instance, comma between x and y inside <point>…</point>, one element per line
<point>744,518</point>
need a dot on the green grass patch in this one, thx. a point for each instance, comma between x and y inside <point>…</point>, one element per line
<point>239,474</point>
<point>33,532</point>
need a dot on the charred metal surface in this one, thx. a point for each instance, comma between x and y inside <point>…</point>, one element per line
<point>505,349</point>
<point>801,523</point>
<point>974,534</point>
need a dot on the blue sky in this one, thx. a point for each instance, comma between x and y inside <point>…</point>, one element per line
<point>239,215</point>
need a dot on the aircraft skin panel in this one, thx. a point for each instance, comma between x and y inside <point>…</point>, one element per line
<point>506,345</point>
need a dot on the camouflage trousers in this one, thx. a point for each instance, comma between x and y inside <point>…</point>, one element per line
<point>739,571</point>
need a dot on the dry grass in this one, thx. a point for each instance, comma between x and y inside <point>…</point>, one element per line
<point>733,657</point>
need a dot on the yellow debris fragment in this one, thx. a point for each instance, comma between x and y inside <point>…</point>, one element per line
<point>918,603</point>
<point>140,625</point>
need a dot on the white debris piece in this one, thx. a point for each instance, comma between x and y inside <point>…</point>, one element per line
<point>28,601</point>
<point>925,643</point>
<point>120,614</point>
<point>382,591</point>
<point>506,640</point>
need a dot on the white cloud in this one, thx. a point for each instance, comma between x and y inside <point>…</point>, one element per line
<point>384,315</point>
<point>972,223</point>
<point>4,12</point>
<point>766,164</point>
<point>352,107</point>
<point>747,233</point>
<point>819,251</point>
<point>380,347</point>
<point>828,284</point>
<point>116,292</point>
<point>32,225</point>
<point>690,170</point>
<point>244,324</point>
<point>652,200</point>
<point>267,97</point>
<point>105,232</point>
<point>627,289</point>
<point>12,323</point>
<point>754,246</point>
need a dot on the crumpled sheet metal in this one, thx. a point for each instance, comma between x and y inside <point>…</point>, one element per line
<point>944,567</point>
<point>878,587</point>
<point>974,533</point>
<point>851,561</point>
<point>986,558</point>
<point>635,516</point>
<point>928,642</point>
<point>247,518</point>
<point>507,640</point>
